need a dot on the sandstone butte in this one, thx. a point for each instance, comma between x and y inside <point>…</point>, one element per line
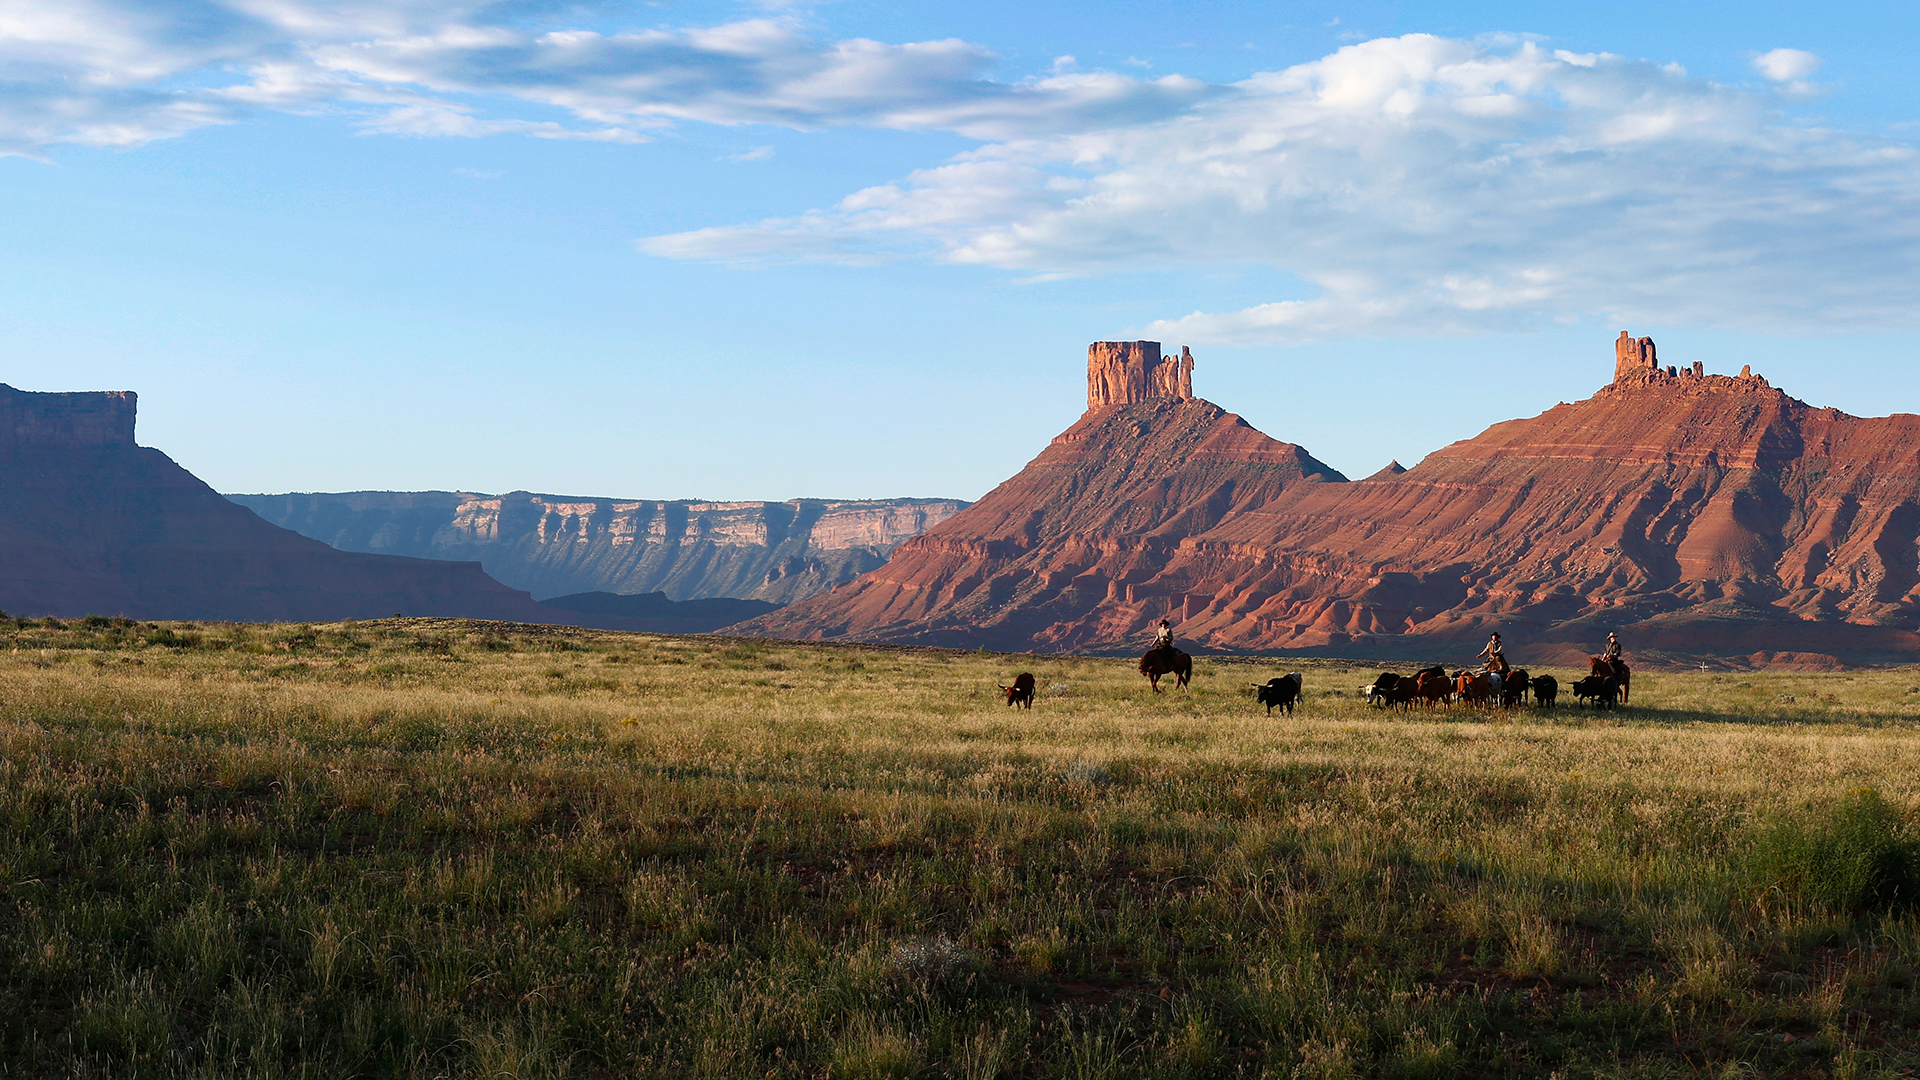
<point>91,523</point>
<point>1702,516</point>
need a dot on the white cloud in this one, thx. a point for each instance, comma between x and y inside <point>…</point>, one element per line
<point>1786,65</point>
<point>1422,185</point>
<point>124,72</point>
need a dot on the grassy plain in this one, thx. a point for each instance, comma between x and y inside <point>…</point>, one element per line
<point>432,848</point>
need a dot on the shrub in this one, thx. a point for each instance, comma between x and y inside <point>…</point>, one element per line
<point>930,963</point>
<point>166,636</point>
<point>1857,857</point>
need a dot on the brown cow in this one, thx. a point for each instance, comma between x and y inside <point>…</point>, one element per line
<point>1434,687</point>
<point>1473,688</point>
<point>1404,693</point>
<point>1513,687</point>
<point>1021,692</point>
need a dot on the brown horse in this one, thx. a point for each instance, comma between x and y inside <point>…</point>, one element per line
<point>1166,660</point>
<point>1616,668</point>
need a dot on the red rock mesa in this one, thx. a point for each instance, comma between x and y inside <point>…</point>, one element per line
<point>1700,515</point>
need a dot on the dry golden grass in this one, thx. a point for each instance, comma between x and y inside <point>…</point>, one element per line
<point>428,847</point>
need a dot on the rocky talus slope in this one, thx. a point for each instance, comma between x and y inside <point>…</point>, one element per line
<point>1700,515</point>
<point>554,545</point>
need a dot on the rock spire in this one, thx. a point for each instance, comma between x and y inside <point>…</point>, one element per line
<point>1126,372</point>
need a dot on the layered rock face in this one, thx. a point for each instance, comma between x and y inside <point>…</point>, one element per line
<point>554,545</point>
<point>92,523</point>
<point>1698,514</point>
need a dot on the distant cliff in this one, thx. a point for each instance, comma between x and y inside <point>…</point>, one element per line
<point>555,545</point>
<point>92,523</point>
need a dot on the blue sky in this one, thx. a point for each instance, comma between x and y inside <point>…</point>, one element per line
<point>857,249</point>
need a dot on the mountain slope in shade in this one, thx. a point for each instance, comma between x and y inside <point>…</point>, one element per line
<point>654,612</point>
<point>560,544</point>
<point>1701,515</point>
<point>1052,558</point>
<point>92,523</point>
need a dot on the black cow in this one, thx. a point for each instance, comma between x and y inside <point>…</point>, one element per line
<point>1603,689</point>
<point>1380,690</point>
<point>1021,692</point>
<point>1283,692</point>
<point>1545,689</point>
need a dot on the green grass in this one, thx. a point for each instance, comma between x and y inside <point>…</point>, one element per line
<point>433,848</point>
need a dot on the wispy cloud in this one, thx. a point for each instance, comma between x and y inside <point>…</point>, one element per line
<point>1423,185</point>
<point>122,72</point>
<point>1418,184</point>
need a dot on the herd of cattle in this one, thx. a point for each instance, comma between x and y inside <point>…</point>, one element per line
<point>1605,688</point>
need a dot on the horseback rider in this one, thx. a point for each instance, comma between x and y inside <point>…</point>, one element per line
<point>1496,659</point>
<point>1163,637</point>
<point>1612,654</point>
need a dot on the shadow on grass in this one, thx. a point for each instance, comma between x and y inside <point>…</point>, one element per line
<point>1836,717</point>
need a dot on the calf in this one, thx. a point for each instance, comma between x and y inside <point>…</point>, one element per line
<point>1021,692</point>
<point>1603,689</point>
<point>1283,692</point>
<point>1545,689</point>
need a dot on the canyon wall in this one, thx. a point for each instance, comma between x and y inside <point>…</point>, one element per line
<point>555,545</point>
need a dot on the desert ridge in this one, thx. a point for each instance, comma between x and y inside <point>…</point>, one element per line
<point>1700,515</point>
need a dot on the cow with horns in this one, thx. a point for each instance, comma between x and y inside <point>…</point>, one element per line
<point>1021,692</point>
